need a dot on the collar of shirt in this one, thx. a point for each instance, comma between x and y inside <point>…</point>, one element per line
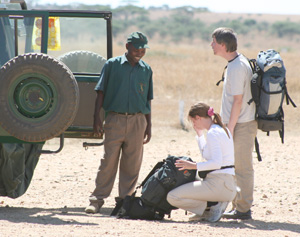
<point>124,59</point>
<point>234,58</point>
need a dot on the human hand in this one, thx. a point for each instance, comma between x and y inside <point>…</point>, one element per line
<point>185,165</point>
<point>147,135</point>
<point>231,129</point>
<point>97,128</point>
<point>198,131</point>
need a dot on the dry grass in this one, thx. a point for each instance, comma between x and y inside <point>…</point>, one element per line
<point>190,72</point>
<point>211,17</point>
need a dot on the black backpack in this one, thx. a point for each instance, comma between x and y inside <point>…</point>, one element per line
<point>268,88</point>
<point>153,205</point>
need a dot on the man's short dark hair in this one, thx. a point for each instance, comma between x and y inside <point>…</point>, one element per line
<point>226,36</point>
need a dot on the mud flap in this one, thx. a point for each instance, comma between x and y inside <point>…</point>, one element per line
<point>17,165</point>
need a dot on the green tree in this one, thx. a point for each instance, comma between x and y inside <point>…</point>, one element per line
<point>128,12</point>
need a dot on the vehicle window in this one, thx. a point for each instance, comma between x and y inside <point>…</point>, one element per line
<point>15,36</point>
<point>78,42</point>
<point>81,43</point>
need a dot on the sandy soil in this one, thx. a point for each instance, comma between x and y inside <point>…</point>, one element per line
<point>55,201</point>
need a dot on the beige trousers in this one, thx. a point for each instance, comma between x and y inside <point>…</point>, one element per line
<point>124,134</point>
<point>244,136</point>
<point>193,196</point>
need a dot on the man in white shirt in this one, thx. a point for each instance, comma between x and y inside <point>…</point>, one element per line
<point>238,116</point>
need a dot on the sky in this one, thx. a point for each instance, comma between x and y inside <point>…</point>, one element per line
<point>285,7</point>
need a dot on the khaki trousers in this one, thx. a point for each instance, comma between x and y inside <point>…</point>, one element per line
<point>124,134</point>
<point>194,196</point>
<point>244,136</point>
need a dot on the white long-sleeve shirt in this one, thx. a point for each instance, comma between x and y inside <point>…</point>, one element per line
<point>217,150</point>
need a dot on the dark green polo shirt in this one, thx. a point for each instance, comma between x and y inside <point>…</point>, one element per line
<point>126,89</point>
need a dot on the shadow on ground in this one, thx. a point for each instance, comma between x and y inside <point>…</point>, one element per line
<point>67,216</point>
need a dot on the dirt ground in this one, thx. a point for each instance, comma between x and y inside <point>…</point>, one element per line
<point>55,201</point>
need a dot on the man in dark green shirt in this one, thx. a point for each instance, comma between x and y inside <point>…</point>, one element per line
<point>124,91</point>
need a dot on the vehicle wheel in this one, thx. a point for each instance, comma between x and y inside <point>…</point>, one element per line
<point>83,61</point>
<point>39,97</point>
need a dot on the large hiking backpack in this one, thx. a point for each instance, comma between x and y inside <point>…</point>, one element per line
<point>268,88</point>
<point>153,205</point>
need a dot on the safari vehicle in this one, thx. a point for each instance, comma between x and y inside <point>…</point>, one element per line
<point>50,63</point>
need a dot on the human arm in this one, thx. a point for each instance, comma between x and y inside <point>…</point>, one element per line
<point>201,143</point>
<point>147,135</point>
<point>185,165</point>
<point>237,75</point>
<point>211,151</point>
<point>148,131</point>
<point>98,129</point>
<point>235,112</point>
<point>190,165</point>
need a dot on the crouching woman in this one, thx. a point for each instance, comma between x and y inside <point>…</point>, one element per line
<point>208,198</point>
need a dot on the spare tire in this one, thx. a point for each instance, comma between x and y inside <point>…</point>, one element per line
<point>83,61</point>
<point>39,97</point>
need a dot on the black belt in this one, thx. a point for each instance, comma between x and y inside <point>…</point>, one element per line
<point>124,113</point>
<point>202,174</point>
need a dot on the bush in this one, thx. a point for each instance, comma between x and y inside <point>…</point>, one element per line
<point>182,23</point>
<point>286,28</point>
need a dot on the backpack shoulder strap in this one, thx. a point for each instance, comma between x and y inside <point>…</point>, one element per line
<point>257,150</point>
<point>281,132</point>
<point>252,63</point>
<point>222,78</point>
<point>156,167</point>
<point>289,99</point>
